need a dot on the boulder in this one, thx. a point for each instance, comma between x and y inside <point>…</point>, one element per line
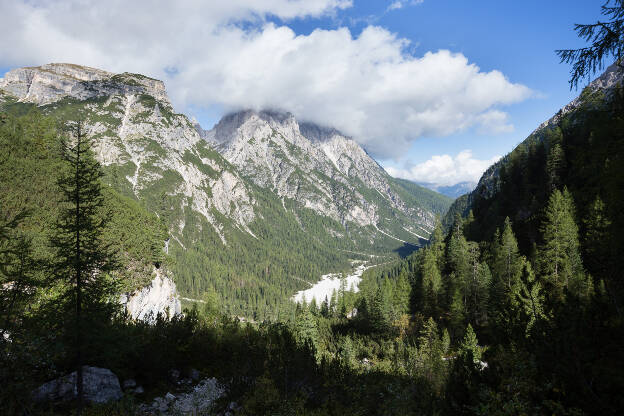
<point>100,385</point>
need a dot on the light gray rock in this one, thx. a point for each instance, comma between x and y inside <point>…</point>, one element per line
<point>138,126</point>
<point>160,297</point>
<point>200,399</point>
<point>100,386</point>
<point>318,167</point>
<point>49,83</point>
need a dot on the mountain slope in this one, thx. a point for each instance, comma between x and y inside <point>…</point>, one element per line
<point>257,209</point>
<point>319,168</point>
<point>580,148</point>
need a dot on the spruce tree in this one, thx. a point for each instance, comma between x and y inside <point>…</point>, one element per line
<point>559,255</point>
<point>82,261</point>
<point>555,166</point>
<point>470,345</point>
<point>402,294</point>
<point>457,262</point>
<point>506,269</point>
<point>431,284</point>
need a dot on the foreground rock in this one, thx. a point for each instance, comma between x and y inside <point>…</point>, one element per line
<point>100,386</point>
<point>199,400</point>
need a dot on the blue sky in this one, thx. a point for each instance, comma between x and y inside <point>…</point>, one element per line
<point>517,38</point>
<point>377,72</point>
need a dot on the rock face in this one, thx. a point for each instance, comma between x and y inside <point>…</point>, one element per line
<point>137,131</point>
<point>49,83</point>
<point>160,297</point>
<point>100,386</point>
<point>318,167</point>
<point>197,401</point>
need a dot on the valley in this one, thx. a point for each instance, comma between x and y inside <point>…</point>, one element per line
<point>394,208</point>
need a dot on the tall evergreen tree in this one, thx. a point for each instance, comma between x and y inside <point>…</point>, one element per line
<point>457,262</point>
<point>431,284</point>
<point>506,270</point>
<point>402,293</point>
<point>555,166</point>
<point>559,256</point>
<point>82,261</point>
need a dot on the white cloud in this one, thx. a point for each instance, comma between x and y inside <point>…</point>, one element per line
<point>445,170</point>
<point>495,122</point>
<point>228,54</point>
<point>399,4</point>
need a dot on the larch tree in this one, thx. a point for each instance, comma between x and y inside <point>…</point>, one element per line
<point>607,41</point>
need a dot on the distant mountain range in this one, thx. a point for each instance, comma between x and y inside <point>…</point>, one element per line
<point>452,191</point>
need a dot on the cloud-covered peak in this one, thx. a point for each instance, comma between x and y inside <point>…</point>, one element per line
<point>230,55</point>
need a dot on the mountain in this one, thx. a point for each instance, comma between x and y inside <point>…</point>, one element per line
<point>581,149</point>
<point>321,169</point>
<point>452,191</point>
<point>257,208</point>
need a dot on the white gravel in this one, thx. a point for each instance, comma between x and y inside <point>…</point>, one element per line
<point>329,283</point>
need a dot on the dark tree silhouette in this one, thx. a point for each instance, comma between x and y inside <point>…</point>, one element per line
<point>607,40</point>
<point>83,261</point>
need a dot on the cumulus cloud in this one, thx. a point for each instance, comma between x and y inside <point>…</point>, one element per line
<point>232,55</point>
<point>445,170</point>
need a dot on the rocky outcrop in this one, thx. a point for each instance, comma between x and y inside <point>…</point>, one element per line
<point>160,297</point>
<point>49,83</point>
<point>100,385</point>
<point>199,400</point>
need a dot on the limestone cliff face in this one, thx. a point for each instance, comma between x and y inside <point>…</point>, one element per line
<point>160,297</point>
<point>49,83</point>
<point>136,131</point>
<point>319,167</point>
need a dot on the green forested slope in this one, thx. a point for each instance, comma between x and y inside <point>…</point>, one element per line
<point>29,165</point>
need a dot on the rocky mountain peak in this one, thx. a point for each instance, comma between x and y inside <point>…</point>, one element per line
<point>316,133</point>
<point>49,83</point>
